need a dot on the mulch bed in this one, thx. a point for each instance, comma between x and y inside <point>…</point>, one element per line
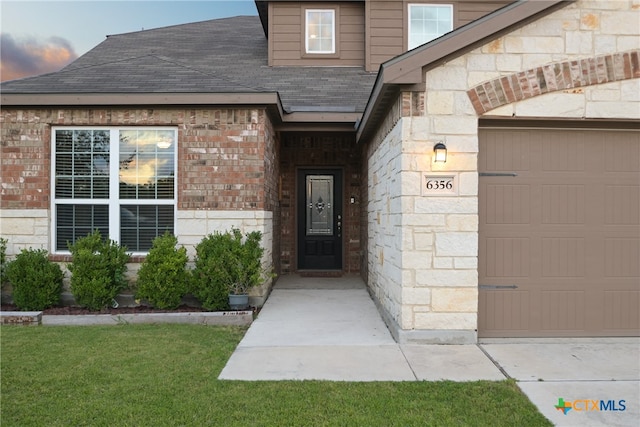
<point>66,310</point>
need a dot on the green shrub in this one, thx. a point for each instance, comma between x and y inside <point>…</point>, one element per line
<point>3,260</point>
<point>97,271</point>
<point>226,263</point>
<point>163,278</point>
<point>37,282</point>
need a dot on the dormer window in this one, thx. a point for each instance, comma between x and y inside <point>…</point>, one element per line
<point>428,22</point>
<point>320,33</point>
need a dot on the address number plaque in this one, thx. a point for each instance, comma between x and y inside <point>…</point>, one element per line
<point>439,184</point>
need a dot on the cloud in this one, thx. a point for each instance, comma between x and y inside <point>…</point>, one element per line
<point>31,57</point>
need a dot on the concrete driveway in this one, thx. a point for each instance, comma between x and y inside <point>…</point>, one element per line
<point>597,380</point>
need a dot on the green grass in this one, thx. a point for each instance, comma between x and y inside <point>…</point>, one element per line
<point>166,375</point>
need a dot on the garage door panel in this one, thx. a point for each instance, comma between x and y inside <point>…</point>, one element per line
<point>507,204</point>
<point>622,152</point>
<point>563,310</point>
<point>622,257</point>
<point>621,310</point>
<point>563,204</point>
<point>504,310</point>
<point>559,248</point>
<point>622,204</point>
<point>563,257</point>
<point>512,255</point>
<point>566,157</point>
<point>510,153</point>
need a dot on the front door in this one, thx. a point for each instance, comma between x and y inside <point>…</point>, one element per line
<point>319,219</point>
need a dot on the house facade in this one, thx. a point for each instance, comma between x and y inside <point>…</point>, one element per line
<point>316,123</point>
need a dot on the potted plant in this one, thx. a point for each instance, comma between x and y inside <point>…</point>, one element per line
<point>231,263</point>
<point>245,267</point>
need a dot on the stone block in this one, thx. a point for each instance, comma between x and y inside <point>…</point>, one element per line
<point>579,43</point>
<point>456,244</point>
<point>528,44</point>
<point>463,300</point>
<point>443,262</point>
<point>23,225</point>
<point>509,63</point>
<point>619,22</point>
<point>446,278</point>
<point>556,104</point>
<point>462,222</point>
<point>455,125</point>
<point>465,263</point>
<point>416,259</point>
<point>423,241</point>
<point>630,91</point>
<point>440,102</point>
<point>27,318</point>
<point>424,219</point>
<point>411,183</point>
<point>447,78</point>
<point>445,205</point>
<point>468,184</point>
<point>484,61</point>
<point>416,296</point>
<point>606,110</point>
<point>605,44</point>
<point>444,321</point>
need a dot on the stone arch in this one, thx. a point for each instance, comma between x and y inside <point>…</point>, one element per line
<point>553,77</point>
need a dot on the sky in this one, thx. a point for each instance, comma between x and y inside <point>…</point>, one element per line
<point>38,37</point>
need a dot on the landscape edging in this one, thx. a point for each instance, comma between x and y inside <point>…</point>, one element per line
<point>229,318</point>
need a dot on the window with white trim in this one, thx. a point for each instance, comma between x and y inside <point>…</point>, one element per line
<point>428,22</point>
<point>118,181</point>
<point>320,31</point>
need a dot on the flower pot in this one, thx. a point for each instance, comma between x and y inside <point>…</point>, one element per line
<point>239,302</point>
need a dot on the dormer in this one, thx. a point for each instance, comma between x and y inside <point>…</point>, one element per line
<point>314,33</point>
<point>359,33</point>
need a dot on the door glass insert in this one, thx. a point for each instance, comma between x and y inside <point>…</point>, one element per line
<point>319,205</point>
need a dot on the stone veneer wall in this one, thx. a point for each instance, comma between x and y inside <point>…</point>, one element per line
<point>227,172</point>
<point>423,250</point>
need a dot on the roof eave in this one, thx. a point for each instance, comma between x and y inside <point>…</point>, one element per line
<point>319,120</point>
<point>133,99</point>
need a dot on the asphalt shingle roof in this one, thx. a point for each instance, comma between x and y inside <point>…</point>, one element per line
<point>217,56</point>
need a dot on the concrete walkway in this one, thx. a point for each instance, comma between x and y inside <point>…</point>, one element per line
<point>330,329</point>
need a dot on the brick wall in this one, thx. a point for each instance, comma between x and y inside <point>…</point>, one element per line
<point>222,154</point>
<point>227,162</point>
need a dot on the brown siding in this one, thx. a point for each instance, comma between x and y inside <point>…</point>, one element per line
<point>286,35</point>
<point>469,11</point>
<point>387,24</point>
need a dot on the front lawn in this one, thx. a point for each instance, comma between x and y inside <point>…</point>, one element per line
<point>166,375</point>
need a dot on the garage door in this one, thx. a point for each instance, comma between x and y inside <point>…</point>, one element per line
<point>559,248</point>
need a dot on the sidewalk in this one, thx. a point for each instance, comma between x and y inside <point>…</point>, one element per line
<point>330,329</point>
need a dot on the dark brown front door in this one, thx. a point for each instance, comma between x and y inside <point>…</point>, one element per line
<point>319,219</point>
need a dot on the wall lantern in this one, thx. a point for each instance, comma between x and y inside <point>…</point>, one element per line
<point>440,152</point>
